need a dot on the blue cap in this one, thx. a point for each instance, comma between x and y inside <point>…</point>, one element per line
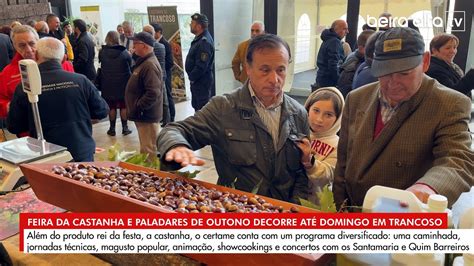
<point>144,37</point>
<point>396,50</point>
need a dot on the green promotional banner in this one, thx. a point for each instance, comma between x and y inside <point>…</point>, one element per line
<point>167,16</point>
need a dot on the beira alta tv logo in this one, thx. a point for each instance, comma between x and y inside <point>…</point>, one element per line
<point>453,20</point>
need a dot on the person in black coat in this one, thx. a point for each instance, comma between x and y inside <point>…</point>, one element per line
<point>115,71</point>
<point>6,50</point>
<point>200,62</point>
<point>168,67</point>
<point>84,51</point>
<point>330,55</point>
<point>443,48</point>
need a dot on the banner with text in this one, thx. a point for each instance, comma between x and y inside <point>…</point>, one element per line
<point>241,233</point>
<point>167,17</point>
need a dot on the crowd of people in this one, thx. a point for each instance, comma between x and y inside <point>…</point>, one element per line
<point>139,90</point>
<point>387,113</point>
<point>398,128</point>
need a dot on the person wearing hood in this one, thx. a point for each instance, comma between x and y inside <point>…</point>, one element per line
<point>324,107</point>
<point>331,54</point>
<point>115,70</point>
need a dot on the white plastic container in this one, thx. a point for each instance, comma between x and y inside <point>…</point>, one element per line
<point>439,203</point>
<point>436,202</point>
<point>376,193</point>
<point>467,219</point>
<point>466,222</point>
<point>467,259</point>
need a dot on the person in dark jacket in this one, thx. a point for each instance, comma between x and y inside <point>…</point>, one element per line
<point>331,54</point>
<point>363,74</point>
<point>67,104</point>
<point>84,51</point>
<point>144,94</point>
<point>200,62</point>
<point>54,26</point>
<point>115,70</point>
<point>443,48</point>
<point>6,50</point>
<point>349,67</point>
<point>250,130</point>
<point>168,68</point>
<point>160,53</point>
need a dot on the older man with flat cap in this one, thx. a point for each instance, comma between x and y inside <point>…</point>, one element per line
<point>200,62</point>
<point>144,93</point>
<point>406,131</point>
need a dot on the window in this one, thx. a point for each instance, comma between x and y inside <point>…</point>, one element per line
<point>426,29</point>
<point>303,40</point>
<point>136,18</point>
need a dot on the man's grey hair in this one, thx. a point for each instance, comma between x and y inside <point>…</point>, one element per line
<point>22,29</point>
<point>149,29</point>
<point>260,23</point>
<point>49,48</point>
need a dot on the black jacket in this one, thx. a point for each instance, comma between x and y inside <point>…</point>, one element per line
<point>169,55</point>
<point>348,70</point>
<point>6,50</point>
<point>58,34</point>
<point>115,64</point>
<point>84,54</point>
<point>446,75</point>
<point>200,68</point>
<point>330,58</point>
<point>160,53</point>
<point>67,104</point>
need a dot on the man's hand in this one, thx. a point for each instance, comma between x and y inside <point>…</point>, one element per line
<point>421,191</point>
<point>183,155</point>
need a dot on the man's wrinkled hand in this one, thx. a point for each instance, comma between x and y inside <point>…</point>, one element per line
<point>184,156</point>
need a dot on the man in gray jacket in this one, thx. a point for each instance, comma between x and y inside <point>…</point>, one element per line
<point>144,93</point>
<point>251,130</point>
